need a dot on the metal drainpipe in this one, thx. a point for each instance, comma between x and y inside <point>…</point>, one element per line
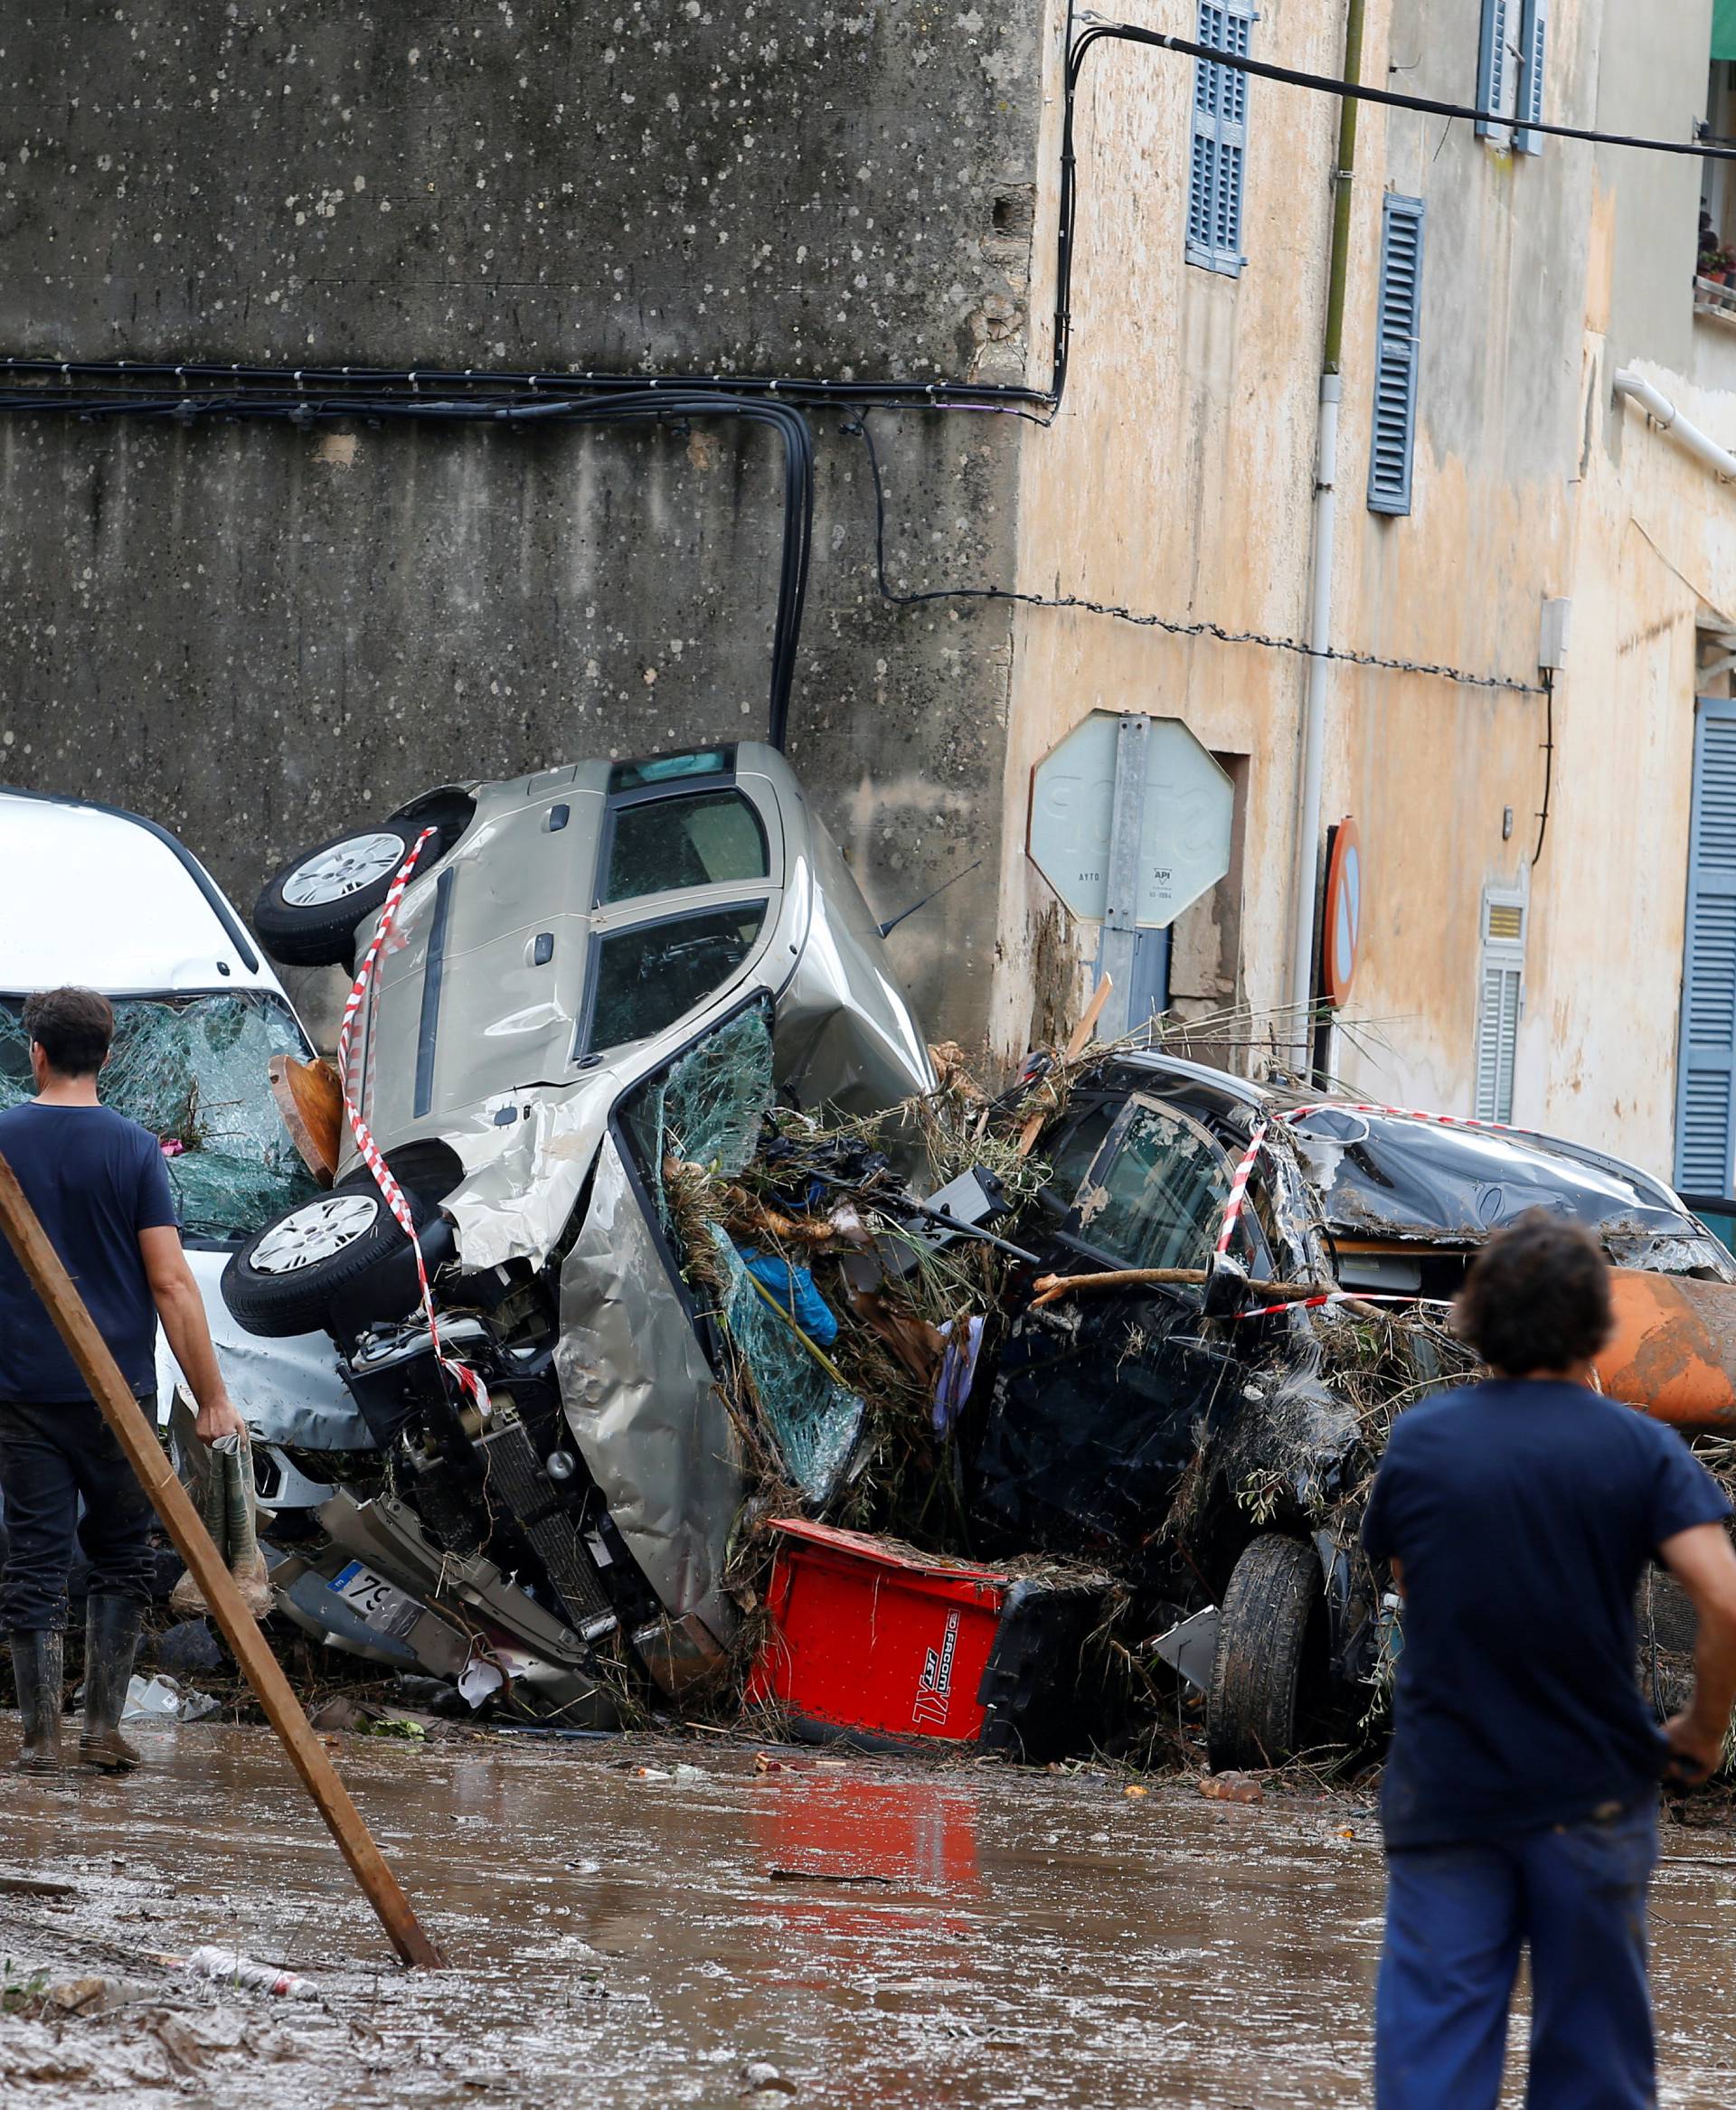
<point>1305,878</point>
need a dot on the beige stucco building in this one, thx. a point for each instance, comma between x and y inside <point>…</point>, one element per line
<point>1527,969</point>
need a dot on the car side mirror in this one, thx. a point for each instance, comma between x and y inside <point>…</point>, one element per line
<point>1226,1287</point>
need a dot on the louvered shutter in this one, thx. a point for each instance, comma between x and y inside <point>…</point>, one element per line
<point>1493,70</point>
<point>1392,441</point>
<point>1220,141</point>
<point>1533,31</point>
<point>1500,1001</point>
<point>1705,1111</point>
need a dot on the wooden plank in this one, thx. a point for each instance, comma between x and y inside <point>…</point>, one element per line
<point>1079,1040</point>
<point>311,1101</point>
<point>137,1438</point>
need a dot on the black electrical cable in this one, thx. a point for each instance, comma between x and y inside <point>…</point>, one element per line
<point>1174,627</point>
<point>1549,759</point>
<point>656,407</point>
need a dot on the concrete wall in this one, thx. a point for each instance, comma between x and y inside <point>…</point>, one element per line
<point>254,633</point>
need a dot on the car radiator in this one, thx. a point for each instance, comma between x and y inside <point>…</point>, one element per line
<point>513,1475</point>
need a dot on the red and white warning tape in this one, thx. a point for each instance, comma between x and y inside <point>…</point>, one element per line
<point>1238,1187</point>
<point>1400,1113</point>
<point>390,1193</point>
<point>1342,1297</point>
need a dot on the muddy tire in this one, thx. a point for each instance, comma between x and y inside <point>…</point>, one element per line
<point>1269,1670</point>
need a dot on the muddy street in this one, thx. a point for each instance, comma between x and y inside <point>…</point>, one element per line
<point>639,1922</point>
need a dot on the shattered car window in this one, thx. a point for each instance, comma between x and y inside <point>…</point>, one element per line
<point>705,1111</point>
<point>192,1070</point>
<point>649,975</point>
<point>703,841</point>
<point>1160,1199</point>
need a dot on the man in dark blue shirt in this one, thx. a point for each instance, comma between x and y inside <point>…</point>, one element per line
<point>97,1183</point>
<point>1520,1796</point>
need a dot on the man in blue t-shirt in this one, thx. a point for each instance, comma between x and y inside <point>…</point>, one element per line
<point>97,1186</point>
<point>1520,1796</point>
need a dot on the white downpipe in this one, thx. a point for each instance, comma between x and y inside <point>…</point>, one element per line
<point>1304,877</point>
<point>1664,413</point>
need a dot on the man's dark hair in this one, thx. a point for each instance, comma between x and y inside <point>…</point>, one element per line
<point>72,1027</point>
<point>1537,1296</point>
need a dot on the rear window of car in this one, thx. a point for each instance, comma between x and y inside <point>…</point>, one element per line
<point>707,839</point>
<point>650,975</point>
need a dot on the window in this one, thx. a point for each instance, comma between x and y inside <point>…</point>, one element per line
<point>651,974</point>
<point>1500,1001</point>
<point>1705,1086</point>
<point>707,839</point>
<point>1393,442</point>
<point>665,769</point>
<point>1219,139</point>
<point>1161,1200</point>
<point>1510,72</point>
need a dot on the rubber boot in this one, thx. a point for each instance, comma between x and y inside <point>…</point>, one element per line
<point>38,1672</point>
<point>111,1627</point>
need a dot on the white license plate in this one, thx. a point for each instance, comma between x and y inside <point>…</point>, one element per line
<point>375,1602</point>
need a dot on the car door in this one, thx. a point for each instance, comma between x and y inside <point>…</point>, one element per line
<point>1101,1397</point>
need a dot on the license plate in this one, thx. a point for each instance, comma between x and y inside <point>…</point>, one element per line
<point>375,1602</point>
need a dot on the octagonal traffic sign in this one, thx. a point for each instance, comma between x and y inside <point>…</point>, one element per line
<point>1184,821</point>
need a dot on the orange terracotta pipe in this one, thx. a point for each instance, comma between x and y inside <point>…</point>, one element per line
<point>1673,1349</point>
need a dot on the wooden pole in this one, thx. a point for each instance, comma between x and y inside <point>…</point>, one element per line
<point>1079,1040</point>
<point>138,1439</point>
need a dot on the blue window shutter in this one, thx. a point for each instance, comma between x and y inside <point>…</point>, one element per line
<point>1533,34</point>
<point>1393,442</point>
<point>1219,140</point>
<point>1493,63</point>
<point>1705,1101</point>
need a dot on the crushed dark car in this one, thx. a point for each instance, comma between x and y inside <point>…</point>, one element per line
<point>1210,1434</point>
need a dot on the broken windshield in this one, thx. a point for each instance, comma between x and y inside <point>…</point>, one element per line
<point>192,1070</point>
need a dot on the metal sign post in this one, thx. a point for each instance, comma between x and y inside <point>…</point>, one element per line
<point>1121,900</point>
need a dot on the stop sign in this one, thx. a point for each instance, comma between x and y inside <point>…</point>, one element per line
<point>1184,826</point>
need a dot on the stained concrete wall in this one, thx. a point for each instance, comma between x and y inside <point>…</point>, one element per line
<point>254,633</point>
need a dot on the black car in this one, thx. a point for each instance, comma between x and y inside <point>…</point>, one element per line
<point>1209,1432</point>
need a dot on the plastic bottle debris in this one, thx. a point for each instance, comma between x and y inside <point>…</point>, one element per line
<point>161,1699</point>
<point>229,1967</point>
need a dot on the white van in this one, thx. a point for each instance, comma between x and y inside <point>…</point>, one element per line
<point>105,900</point>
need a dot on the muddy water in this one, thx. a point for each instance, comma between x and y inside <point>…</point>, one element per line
<point>879,1932</point>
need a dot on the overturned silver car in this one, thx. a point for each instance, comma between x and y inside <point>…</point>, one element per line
<point>598,975</point>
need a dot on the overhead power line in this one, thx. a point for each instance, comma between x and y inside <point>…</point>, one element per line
<point>1176,626</point>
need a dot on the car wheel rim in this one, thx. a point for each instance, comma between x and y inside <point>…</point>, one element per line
<point>315,1233</point>
<point>361,860</point>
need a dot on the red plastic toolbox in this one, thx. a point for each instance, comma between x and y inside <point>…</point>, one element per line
<point>871,1637</point>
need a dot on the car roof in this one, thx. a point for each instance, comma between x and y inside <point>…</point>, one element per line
<point>117,904</point>
<point>1405,1175</point>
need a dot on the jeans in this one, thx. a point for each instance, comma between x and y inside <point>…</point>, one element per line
<point>50,1453</point>
<point>1455,1918</point>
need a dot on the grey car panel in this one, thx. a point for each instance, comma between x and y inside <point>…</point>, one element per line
<point>643,1404</point>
